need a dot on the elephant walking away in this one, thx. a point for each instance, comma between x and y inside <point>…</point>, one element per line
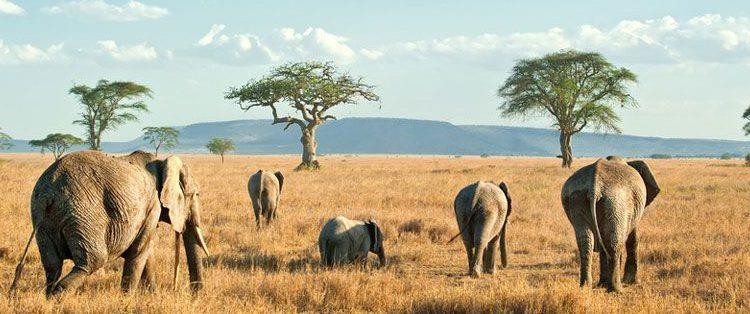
<point>344,241</point>
<point>92,208</point>
<point>604,202</point>
<point>482,210</point>
<point>264,188</point>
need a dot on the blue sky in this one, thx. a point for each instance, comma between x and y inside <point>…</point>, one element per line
<point>440,60</point>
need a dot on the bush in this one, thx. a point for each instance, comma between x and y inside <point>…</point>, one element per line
<point>484,155</point>
<point>661,156</point>
<point>727,156</point>
<point>747,160</point>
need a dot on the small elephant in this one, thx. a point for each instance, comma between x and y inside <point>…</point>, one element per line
<point>93,208</point>
<point>265,190</point>
<point>482,210</point>
<point>607,199</point>
<point>348,241</point>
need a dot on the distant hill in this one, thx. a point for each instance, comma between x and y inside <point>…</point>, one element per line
<point>406,136</point>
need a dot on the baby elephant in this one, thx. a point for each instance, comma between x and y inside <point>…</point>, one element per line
<point>348,241</point>
<point>604,202</point>
<point>265,189</point>
<point>482,211</point>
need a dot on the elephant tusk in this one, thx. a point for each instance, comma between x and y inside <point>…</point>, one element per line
<point>202,241</point>
<point>176,259</point>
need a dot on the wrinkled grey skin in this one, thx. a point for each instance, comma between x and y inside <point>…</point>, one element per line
<point>93,208</point>
<point>604,202</point>
<point>344,241</point>
<point>264,188</point>
<point>482,210</point>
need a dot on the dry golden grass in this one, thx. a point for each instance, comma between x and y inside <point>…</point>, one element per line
<point>695,253</point>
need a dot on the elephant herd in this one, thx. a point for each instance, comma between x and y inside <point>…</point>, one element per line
<point>92,209</point>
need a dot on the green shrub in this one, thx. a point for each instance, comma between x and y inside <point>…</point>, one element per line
<point>661,156</point>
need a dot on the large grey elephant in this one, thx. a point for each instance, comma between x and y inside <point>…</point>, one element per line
<point>264,188</point>
<point>344,241</point>
<point>482,210</point>
<point>607,199</point>
<point>93,208</point>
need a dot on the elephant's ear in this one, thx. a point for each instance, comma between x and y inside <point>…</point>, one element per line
<point>372,232</point>
<point>504,187</point>
<point>172,196</point>
<point>652,188</point>
<point>280,177</point>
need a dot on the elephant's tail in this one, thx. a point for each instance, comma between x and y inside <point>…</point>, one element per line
<point>19,267</point>
<point>466,224</point>
<point>593,198</point>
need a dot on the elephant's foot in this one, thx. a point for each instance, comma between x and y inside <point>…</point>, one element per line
<point>475,273</point>
<point>490,271</point>
<point>630,279</point>
<point>602,284</point>
<point>614,289</point>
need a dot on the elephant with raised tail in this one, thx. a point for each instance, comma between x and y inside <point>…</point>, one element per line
<point>92,209</point>
<point>264,188</point>
<point>344,241</point>
<point>604,202</point>
<point>482,210</point>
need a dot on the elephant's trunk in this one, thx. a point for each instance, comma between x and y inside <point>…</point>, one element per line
<point>194,243</point>
<point>381,257</point>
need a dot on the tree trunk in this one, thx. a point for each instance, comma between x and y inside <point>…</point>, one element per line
<point>222,158</point>
<point>566,152</point>
<point>309,147</point>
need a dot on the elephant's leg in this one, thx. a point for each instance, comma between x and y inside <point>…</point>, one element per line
<point>603,270</point>
<point>51,260</point>
<point>614,276</point>
<point>631,262</point>
<point>136,258</point>
<point>267,206</point>
<point>479,248</point>
<point>147,279</point>
<point>585,241</point>
<point>71,281</point>
<point>256,211</point>
<point>490,255</point>
<point>87,257</point>
<point>468,244</point>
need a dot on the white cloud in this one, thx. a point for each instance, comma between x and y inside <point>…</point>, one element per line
<point>100,9</point>
<point>315,42</point>
<point>7,7</point>
<point>371,54</point>
<point>137,53</point>
<point>209,37</point>
<point>706,38</point>
<point>11,54</point>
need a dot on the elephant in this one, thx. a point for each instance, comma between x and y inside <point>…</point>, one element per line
<point>482,211</point>
<point>265,190</point>
<point>344,241</point>
<point>92,209</point>
<point>607,199</point>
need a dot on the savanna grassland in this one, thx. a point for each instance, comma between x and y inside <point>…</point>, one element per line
<point>694,251</point>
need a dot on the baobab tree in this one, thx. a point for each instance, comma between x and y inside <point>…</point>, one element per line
<point>56,143</point>
<point>311,89</point>
<point>107,106</point>
<point>577,90</point>
<point>161,137</point>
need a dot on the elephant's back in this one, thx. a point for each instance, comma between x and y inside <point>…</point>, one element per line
<point>336,227</point>
<point>261,179</point>
<point>92,190</point>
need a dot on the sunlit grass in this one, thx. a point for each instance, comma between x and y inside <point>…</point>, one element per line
<point>694,249</point>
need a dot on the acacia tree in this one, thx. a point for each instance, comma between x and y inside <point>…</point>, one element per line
<point>746,116</point>
<point>161,137</point>
<point>5,141</point>
<point>57,143</point>
<point>220,146</point>
<point>107,106</point>
<point>576,89</point>
<point>310,89</point>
